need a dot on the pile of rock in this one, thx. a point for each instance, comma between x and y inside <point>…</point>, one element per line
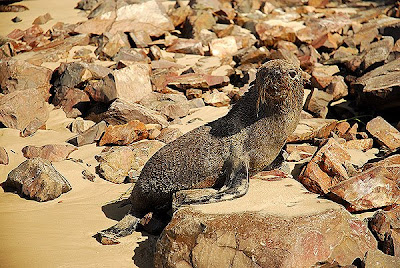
<point>147,64</point>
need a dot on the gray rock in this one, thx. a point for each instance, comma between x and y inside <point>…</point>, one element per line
<point>3,156</point>
<point>37,179</point>
<point>172,105</point>
<point>89,136</point>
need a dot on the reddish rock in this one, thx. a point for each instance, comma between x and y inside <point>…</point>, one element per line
<point>326,168</point>
<point>42,19</point>
<point>363,144</point>
<point>270,33</point>
<point>21,75</point>
<point>308,129</point>
<point>187,46</point>
<point>124,134</point>
<point>194,80</point>
<point>322,76</point>
<point>385,133</point>
<point>179,15</point>
<point>50,152</point>
<point>94,26</point>
<point>171,105</point>
<point>223,47</point>
<point>3,156</point>
<point>285,54</point>
<point>193,93</point>
<point>75,102</point>
<point>385,226</point>
<point>37,179</point>
<point>373,188</point>
<point>110,44</point>
<point>23,109</point>
<point>296,230</point>
<point>378,52</point>
<point>337,88</point>
<point>140,38</point>
<point>341,128</point>
<point>330,41</point>
<point>317,103</point>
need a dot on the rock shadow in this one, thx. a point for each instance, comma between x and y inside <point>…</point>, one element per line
<point>116,210</point>
<point>144,252</point>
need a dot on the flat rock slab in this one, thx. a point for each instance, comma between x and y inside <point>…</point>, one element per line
<point>51,152</point>
<point>37,179</point>
<point>384,132</point>
<point>307,129</point>
<point>276,224</point>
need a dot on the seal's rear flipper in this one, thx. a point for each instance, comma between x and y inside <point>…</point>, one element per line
<point>235,186</point>
<point>124,227</point>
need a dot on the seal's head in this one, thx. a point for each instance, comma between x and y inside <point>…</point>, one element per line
<point>278,80</point>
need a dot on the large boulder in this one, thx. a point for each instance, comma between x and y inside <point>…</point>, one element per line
<point>23,110</point>
<point>276,224</point>
<point>37,179</point>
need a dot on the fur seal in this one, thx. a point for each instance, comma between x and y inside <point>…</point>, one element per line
<point>213,163</point>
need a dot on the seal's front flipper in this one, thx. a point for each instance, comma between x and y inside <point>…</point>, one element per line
<point>235,186</point>
<point>124,227</point>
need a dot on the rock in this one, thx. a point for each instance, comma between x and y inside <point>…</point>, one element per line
<point>299,152</point>
<point>362,144</point>
<point>23,109</point>
<point>121,112</point>
<point>373,188</point>
<point>216,98</point>
<point>326,168</point>
<point>293,229</point>
<point>79,125</point>
<point>342,128</point>
<point>179,15</point>
<point>140,38</point>
<point>285,54</point>
<point>116,163</point>
<point>385,224</point>
<point>149,16</point>
<point>317,103</point>
<point>50,152</point>
<point>131,83</point>
<point>378,52</point>
<point>308,129</point>
<point>87,5</point>
<point>89,136</point>
<point>3,156</point>
<point>72,75</point>
<point>75,103</point>
<point>171,105</point>
<point>337,88</point>
<point>110,44</point>
<point>131,55</point>
<point>42,19</point>
<point>194,93</point>
<point>187,46</point>
<point>201,20</point>
<point>385,133</point>
<point>21,75</point>
<point>196,103</point>
<point>37,179</point>
<point>195,80</point>
<point>94,26</point>
<point>124,134</point>
<point>16,19</point>
<point>169,134</point>
<point>223,47</point>
<point>272,31</point>
<point>328,41</point>
<point>87,175</point>
<point>377,259</point>
<point>322,76</point>
<point>378,86</point>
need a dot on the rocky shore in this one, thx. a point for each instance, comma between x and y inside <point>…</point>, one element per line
<point>87,98</point>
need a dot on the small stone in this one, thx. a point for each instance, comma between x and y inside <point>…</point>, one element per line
<point>376,258</point>
<point>87,175</point>
<point>322,76</point>
<point>216,98</point>
<point>173,106</point>
<point>79,125</point>
<point>337,88</point>
<point>378,52</point>
<point>299,152</point>
<point>42,19</point>
<point>16,19</point>
<point>308,129</point>
<point>193,93</point>
<point>3,156</point>
<point>329,41</point>
<point>91,135</point>
<point>196,103</point>
<point>50,152</point>
<point>37,179</point>
<point>124,134</point>
<point>140,38</point>
<point>130,55</point>
<point>326,168</point>
<point>285,54</point>
<point>169,134</point>
<point>187,46</point>
<point>223,47</point>
<point>110,44</point>
<point>195,80</point>
<point>317,103</point>
<point>341,128</point>
<point>117,162</point>
<point>385,133</point>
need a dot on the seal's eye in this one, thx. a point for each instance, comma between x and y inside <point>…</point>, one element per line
<point>292,74</point>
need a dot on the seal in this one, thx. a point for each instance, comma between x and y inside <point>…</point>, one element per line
<point>213,163</point>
